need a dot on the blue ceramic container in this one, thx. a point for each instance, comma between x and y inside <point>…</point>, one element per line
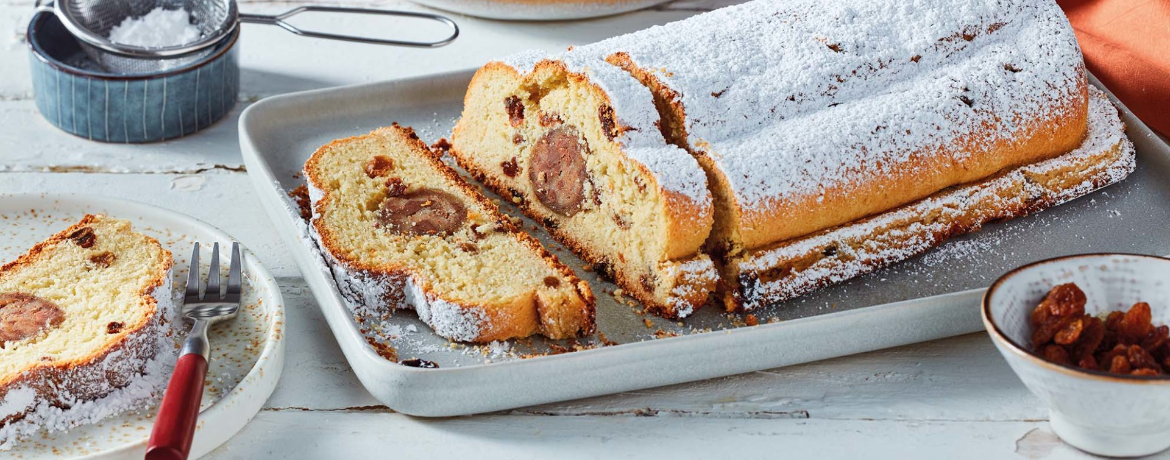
<point>76,96</point>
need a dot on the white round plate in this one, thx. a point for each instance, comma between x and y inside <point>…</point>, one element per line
<point>539,10</point>
<point>247,353</point>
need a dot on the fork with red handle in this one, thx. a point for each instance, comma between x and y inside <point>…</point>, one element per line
<point>175,424</point>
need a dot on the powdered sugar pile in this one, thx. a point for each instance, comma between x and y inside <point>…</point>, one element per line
<point>499,349</point>
<point>158,28</point>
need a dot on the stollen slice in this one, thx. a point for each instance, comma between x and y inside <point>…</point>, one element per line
<point>401,229</point>
<point>82,319</point>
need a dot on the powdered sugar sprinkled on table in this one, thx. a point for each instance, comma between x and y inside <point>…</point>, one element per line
<point>958,250</point>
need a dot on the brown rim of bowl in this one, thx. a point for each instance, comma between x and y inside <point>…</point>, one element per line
<point>61,66</point>
<point>998,335</point>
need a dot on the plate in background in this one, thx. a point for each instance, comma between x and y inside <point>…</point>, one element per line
<point>539,10</point>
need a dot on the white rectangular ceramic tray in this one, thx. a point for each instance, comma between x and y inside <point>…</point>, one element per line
<point>928,297</point>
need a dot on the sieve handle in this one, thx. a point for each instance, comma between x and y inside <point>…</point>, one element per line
<point>43,6</point>
<point>279,20</point>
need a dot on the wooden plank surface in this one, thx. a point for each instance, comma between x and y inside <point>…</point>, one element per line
<point>358,435</point>
<point>952,398</point>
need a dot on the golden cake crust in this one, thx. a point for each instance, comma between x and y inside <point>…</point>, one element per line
<point>782,218</point>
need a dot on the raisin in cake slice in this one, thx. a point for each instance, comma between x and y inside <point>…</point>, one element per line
<point>578,148</point>
<point>82,315</point>
<point>401,229</point>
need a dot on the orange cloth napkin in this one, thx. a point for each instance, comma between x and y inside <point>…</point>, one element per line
<point>1126,44</point>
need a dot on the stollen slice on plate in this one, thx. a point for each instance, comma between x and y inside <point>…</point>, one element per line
<point>82,317</point>
<point>249,352</point>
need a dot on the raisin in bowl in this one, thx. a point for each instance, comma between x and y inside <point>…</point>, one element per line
<point>1092,409</point>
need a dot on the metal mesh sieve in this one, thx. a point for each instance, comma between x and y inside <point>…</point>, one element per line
<point>91,21</point>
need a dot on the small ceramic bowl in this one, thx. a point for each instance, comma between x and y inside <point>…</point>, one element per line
<point>77,96</point>
<point>1101,413</point>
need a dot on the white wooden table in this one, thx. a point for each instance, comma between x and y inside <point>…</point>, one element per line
<point>952,398</point>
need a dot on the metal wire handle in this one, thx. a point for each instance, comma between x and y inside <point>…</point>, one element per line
<point>279,20</point>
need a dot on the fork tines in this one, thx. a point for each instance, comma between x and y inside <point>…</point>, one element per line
<point>213,293</point>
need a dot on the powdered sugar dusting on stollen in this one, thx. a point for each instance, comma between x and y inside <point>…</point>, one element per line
<point>525,61</point>
<point>448,319</point>
<point>694,272</point>
<point>673,168</point>
<point>791,97</point>
<point>148,355</point>
<point>870,238</point>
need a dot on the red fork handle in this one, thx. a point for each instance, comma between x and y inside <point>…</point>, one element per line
<point>175,425</point>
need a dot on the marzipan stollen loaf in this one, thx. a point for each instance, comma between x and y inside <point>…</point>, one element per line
<point>578,148</point>
<point>400,229</point>
<point>807,115</point>
<point>83,328</point>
